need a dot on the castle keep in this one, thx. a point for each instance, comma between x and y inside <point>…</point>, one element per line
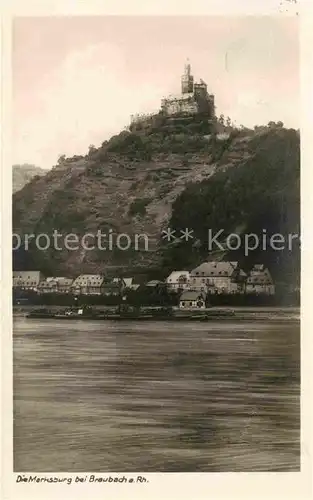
<point>193,100</point>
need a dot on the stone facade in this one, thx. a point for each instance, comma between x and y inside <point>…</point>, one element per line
<point>181,104</point>
<point>187,80</point>
<point>194,98</point>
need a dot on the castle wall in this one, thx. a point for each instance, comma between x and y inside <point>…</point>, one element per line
<point>180,105</point>
<point>205,105</point>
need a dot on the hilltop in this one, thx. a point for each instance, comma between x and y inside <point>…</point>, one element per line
<point>22,174</point>
<point>176,173</point>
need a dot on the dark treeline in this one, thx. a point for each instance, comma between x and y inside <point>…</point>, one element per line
<point>261,194</point>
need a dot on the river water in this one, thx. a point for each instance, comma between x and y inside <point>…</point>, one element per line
<point>156,397</point>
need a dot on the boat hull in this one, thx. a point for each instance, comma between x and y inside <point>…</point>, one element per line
<point>116,317</point>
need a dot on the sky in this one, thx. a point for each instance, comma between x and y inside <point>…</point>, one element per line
<point>77,80</point>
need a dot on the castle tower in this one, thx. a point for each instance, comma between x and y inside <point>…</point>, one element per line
<point>187,80</point>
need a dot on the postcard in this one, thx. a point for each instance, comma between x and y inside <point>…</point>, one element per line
<point>156,273</point>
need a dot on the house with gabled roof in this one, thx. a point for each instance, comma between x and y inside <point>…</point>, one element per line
<point>178,280</point>
<point>260,281</point>
<point>88,284</point>
<point>222,277</point>
<point>57,284</point>
<point>27,280</point>
<point>192,299</point>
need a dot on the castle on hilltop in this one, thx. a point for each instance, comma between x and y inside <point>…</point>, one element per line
<point>194,98</point>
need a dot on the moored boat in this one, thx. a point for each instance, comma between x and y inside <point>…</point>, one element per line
<point>153,314</point>
<point>41,313</point>
<point>82,312</point>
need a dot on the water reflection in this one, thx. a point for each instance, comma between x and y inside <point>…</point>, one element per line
<point>156,397</point>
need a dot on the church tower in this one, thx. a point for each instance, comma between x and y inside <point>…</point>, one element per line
<point>187,80</point>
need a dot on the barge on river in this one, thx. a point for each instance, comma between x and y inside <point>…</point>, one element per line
<point>130,314</point>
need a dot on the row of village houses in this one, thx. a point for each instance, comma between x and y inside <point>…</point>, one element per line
<point>210,277</point>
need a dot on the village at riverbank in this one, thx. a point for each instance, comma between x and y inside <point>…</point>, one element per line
<point>209,284</point>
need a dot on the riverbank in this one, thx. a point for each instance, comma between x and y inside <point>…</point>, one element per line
<point>155,298</point>
<point>238,313</point>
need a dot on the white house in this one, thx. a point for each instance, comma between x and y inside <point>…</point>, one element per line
<point>218,277</point>
<point>58,284</point>
<point>27,279</point>
<point>260,281</point>
<point>192,300</point>
<point>88,284</point>
<point>178,280</point>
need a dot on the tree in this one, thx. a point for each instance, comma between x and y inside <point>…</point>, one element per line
<point>222,119</point>
<point>92,149</point>
<point>61,159</point>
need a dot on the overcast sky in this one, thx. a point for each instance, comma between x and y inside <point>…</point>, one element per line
<point>76,81</point>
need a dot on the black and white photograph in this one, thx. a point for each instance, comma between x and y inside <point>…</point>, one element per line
<point>156,253</point>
